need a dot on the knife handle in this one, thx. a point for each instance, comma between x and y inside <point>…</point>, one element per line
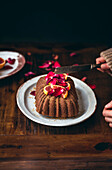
<point>93,66</point>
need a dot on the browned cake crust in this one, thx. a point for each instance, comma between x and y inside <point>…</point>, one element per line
<point>56,107</point>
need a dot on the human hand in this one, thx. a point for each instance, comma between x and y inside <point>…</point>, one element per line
<point>107,113</point>
<point>104,66</point>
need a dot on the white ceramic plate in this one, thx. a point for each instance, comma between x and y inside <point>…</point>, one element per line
<point>18,65</point>
<point>26,103</point>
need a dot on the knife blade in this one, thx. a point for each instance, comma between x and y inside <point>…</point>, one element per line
<point>72,69</point>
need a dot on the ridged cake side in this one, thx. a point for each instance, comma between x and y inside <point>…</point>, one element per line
<point>57,107</point>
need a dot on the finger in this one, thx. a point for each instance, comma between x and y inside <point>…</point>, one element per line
<point>108,119</point>
<point>100,60</point>
<point>100,70</point>
<point>107,112</point>
<point>109,105</point>
<point>109,72</point>
<point>110,124</point>
<point>104,66</point>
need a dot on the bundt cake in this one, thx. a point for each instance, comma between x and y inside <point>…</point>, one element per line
<point>56,97</point>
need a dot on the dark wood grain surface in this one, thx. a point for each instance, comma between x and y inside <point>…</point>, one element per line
<point>25,144</point>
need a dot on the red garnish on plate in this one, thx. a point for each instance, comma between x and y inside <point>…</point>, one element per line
<point>7,67</point>
<point>33,93</point>
<point>58,91</point>
<point>55,90</point>
<point>11,61</point>
<point>56,85</point>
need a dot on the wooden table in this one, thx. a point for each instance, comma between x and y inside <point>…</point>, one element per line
<point>25,144</point>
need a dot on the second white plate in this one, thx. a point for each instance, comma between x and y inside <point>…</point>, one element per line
<point>26,103</point>
<point>17,66</point>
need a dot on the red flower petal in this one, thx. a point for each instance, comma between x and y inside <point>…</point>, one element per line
<point>26,75</point>
<point>56,64</point>
<point>63,76</point>
<point>11,61</point>
<point>47,64</point>
<point>29,53</point>
<point>7,67</point>
<point>53,81</point>
<point>48,80</point>
<point>61,82</point>
<point>92,86</point>
<point>84,78</point>
<point>33,93</point>
<point>50,64</point>
<point>51,91</point>
<point>29,73</point>
<point>75,64</point>
<point>72,54</point>
<point>55,56</point>
<point>29,62</point>
<point>58,91</point>
<point>56,75</point>
<point>49,75</point>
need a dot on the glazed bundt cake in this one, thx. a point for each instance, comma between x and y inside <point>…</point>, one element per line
<point>56,97</point>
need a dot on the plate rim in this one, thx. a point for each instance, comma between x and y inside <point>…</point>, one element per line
<point>46,123</point>
<point>17,69</point>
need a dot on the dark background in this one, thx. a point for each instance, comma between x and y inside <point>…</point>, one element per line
<point>56,21</point>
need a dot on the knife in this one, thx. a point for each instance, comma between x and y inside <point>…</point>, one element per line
<point>72,69</point>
